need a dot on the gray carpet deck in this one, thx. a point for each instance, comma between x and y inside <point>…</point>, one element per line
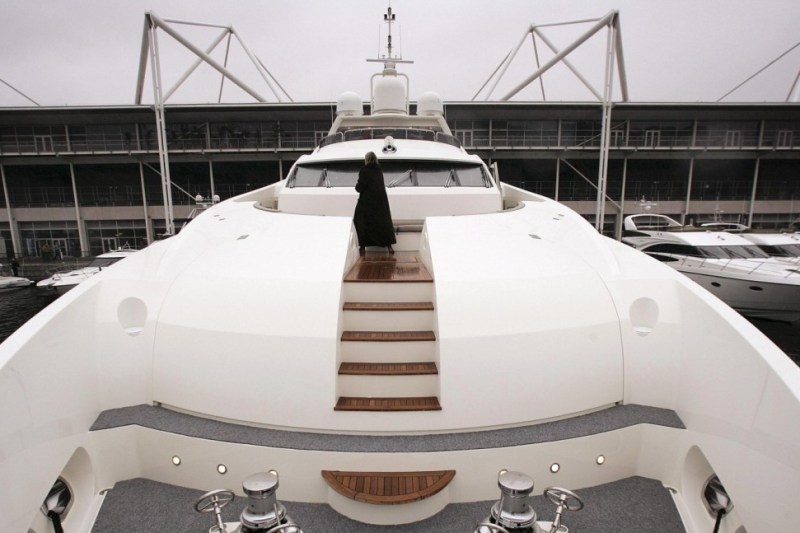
<point>162,419</point>
<point>632,505</point>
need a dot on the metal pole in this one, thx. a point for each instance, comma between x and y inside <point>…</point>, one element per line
<point>688,192</point>
<point>623,77</point>
<point>621,218</point>
<point>148,24</point>
<point>211,177</point>
<point>558,57</point>
<point>538,64</point>
<point>605,130</point>
<point>163,156</point>
<point>256,64</point>
<point>81,229</point>
<point>11,225</point>
<point>508,62</point>
<point>569,65</point>
<point>491,76</point>
<point>795,90</point>
<point>222,78</point>
<point>147,226</point>
<point>753,193</point>
<point>274,79</point>
<point>558,176</point>
<point>194,66</point>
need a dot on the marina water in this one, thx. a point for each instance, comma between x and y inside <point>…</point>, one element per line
<point>17,307</point>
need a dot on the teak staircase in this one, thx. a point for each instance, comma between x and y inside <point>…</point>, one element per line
<point>388,344</point>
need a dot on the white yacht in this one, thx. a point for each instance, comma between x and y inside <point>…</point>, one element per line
<point>61,282</point>
<point>505,367</point>
<point>10,283</point>
<point>729,265</point>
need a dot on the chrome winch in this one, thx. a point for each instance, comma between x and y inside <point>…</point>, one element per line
<point>513,513</point>
<point>263,514</point>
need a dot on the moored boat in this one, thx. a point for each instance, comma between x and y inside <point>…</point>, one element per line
<point>729,265</point>
<point>61,282</point>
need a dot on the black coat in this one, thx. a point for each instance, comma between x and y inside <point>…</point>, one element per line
<point>372,217</point>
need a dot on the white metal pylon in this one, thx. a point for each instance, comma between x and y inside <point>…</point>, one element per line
<point>150,52</point>
<point>153,22</point>
<point>613,57</point>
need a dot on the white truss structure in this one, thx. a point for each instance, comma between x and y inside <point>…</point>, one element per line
<point>613,58</point>
<point>150,53</point>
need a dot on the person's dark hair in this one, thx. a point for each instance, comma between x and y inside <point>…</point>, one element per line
<point>370,158</point>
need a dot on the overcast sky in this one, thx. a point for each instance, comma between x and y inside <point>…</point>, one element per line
<point>86,52</point>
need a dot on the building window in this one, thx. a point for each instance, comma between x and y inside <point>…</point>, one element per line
<point>465,137</point>
<point>44,143</point>
<point>652,138</point>
<point>784,139</point>
<point>733,139</point>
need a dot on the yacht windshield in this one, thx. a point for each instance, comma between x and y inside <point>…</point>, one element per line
<point>709,252</point>
<point>782,250</point>
<point>104,261</point>
<point>735,252</point>
<point>395,174</point>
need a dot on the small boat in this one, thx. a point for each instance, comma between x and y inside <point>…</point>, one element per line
<point>729,265</point>
<point>61,282</point>
<point>10,283</point>
<point>505,342</point>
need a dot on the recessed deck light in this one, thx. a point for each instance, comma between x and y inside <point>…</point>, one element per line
<point>222,469</point>
<point>555,467</point>
<point>176,460</point>
<point>601,459</point>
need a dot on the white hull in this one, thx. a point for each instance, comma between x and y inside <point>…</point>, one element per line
<point>752,298</point>
<point>12,283</point>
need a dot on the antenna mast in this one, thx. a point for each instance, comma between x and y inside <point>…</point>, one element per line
<point>389,61</point>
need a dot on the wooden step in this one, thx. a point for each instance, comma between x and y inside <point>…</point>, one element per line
<point>401,267</point>
<point>422,403</point>
<point>388,336</point>
<point>388,306</point>
<point>387,369</point>
<point>388,488</point>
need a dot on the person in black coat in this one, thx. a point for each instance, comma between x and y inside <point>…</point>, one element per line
<point>372,217</point>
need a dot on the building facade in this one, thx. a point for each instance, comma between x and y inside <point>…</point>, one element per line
<point>86,180</point>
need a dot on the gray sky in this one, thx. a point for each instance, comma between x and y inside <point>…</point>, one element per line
<point>86,52</point>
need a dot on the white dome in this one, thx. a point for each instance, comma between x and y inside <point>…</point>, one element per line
<point>389,95</point>
<point>430,104</point>
<point>349,104</point>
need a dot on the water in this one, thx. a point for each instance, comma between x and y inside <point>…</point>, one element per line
<point>17,307</point>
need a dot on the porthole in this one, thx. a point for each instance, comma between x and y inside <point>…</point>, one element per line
<point>715,284</point>
<point>755,288</point>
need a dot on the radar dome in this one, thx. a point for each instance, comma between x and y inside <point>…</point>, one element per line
<point>389,95</point>
<point>430,105</point>
<point>349,104</point>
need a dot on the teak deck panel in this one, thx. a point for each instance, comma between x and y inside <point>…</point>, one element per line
<point>388,488</point>
<point>388,336</point>
<point>421,403</point>
<point>401,267</point>
<point>388,306</point>
<point>387,369</point>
